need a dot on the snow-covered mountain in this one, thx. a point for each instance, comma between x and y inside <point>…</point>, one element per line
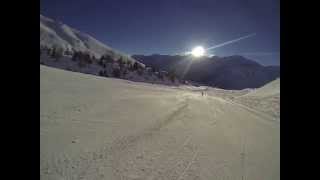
<point>232,72</point>
<point>59,35</point>
<point>66,48</point>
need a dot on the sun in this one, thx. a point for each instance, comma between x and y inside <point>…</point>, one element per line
<point>198,51</point>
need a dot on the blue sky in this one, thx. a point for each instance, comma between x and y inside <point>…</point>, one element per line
<point>174,26</point>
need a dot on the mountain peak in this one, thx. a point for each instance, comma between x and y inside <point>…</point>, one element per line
<point>57,34</point>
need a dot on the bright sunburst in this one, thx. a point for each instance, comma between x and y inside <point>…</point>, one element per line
<point>198,51</point>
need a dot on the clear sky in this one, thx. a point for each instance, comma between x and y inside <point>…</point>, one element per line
<point>176,26</point>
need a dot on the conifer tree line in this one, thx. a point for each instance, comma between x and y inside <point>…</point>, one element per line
<point>119,67</point>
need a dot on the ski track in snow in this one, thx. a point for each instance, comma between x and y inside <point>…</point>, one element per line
<point>181,134</point>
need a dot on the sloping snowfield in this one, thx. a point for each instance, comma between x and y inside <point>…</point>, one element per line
<point>265,99</point>
<point>59,35</point>
<point>103,128</point>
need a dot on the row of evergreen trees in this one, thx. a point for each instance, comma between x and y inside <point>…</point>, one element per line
<point>107,59</point>
<point>54,52</point>
<point>120,70</point>
<point>122,66</point>
<point>83,58</point>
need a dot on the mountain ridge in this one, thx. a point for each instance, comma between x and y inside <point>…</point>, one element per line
<point>230,72</point>
<point>57,34</point>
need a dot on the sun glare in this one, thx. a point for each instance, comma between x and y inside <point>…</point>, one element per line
<point>198,51</point>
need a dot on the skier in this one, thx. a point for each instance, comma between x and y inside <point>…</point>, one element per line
<point>202,93</point>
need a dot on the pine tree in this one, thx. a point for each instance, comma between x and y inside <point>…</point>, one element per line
<point>108,59</point>
<point>153,69</point>
<point>160,76</point>
<point>116,72</point>
<point>172,75</point>
<point>121,62</point>
<point>75,56</point>
<point>124,73</point>
<point>135,66</point>
<point>140,72</point>
<point>100,73</point>
<point>49,51</point>
<point>58,53</point>
<point>53,52</point>
<point>87,58</point>
<point>105,73</point>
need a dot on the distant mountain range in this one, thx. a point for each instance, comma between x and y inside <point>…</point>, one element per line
<point>232,72</point>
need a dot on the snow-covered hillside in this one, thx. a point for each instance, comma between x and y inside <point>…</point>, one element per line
<point>59,35</point>
<point>66,48</point>
<point>270,89</point>
<point>265,99</point>
<point>112,69</point>
<point>103,128</point>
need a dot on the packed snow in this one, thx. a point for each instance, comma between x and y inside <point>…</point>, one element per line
<point>93,127</point>
<point>265,99</point>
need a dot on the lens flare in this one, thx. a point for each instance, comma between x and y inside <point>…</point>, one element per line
<point>198,51</point>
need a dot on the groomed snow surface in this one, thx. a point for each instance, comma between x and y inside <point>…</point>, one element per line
<point>103,128</point>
